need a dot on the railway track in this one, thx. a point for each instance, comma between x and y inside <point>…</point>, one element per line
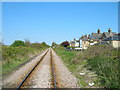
<point>29,75</point>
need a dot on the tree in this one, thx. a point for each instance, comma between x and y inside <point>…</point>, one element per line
<point>65,44</point>
<point>54,44</point>
<point>18,43</point>
<point>43,43</point>
<point>27,42</point>
<point>36,45</point>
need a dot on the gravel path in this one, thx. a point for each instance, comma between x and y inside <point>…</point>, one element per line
<point>19,74</point>
<point>41,77</point>
<point>65,79</point>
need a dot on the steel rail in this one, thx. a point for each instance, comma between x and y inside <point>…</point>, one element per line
<point>53,71</point>
<point>19,86</point>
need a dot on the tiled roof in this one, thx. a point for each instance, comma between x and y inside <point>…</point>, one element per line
<point>115,37</point>
<point>96,36</point>
<point>107,34</point>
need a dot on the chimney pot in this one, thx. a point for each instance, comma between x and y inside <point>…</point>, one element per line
<point>109,30</point>
<point>98,30</point>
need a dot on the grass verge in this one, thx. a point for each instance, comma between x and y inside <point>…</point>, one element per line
<point>13,57</point>
<point>99,63</point>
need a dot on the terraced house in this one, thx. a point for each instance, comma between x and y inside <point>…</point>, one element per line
<point>101,38</point>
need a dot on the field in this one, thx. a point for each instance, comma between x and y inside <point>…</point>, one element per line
<point>99,63</point>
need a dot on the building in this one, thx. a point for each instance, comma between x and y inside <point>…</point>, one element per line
<point>101,38</point>
<point>85,41</point>
<point>72,43</point>
<point>114,40</point>
<point>96,37</point>
<point>75,43</point>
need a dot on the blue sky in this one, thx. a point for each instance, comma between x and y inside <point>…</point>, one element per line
<point>56,21</point>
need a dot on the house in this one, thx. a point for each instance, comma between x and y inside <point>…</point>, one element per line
<point>108,34</point>
<point>114,40</point>
<point>85,41</point>
<point>75,43</point>
<point>72,43</point>
<point>92,39</point>
<point>96,37</point>
<point>99,38</point>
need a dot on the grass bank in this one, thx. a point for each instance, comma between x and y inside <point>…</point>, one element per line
<point>12,57</point>
<point>98,63</point>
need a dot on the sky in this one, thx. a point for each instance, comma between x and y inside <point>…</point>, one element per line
<point>60,0</point>
<point>56,21</point>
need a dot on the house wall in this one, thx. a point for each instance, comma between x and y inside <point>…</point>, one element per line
<point>85,44</point>
<point>95,42</point>
<point>115,44</point>
<point>72,44</point>
<point>80,43</point>
<point>77,44</point>
<point>92,42</point>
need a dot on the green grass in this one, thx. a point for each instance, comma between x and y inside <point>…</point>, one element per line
<point>13,57</point>
<point>106,66</point>
<point>68,58</point>
<point>99,60</point>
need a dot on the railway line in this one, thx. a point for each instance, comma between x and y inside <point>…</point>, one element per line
<point>25,82</point>
<point>45,71</point>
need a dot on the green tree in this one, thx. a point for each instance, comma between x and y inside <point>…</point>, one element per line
<point>54,44</point>
<point>18,43</point>
<point>43,44</point>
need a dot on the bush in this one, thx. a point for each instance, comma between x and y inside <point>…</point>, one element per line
<point>18,53</point>
<point>18,43</point>
<point>102,59</point>
<point>70,47</point>
<point>105,64</point>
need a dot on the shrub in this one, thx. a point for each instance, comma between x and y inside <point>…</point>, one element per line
<point>105,64</point>
<point>18,43</point>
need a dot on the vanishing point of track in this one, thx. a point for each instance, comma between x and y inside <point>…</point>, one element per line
<point>54,84</point>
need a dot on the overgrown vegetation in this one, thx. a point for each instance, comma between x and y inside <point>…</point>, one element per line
<point>99,63</point>
<point>19,53</point>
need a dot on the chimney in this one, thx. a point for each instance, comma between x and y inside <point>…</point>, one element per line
<point>109,30</point>
<point>74,39</point>
<point>98,31</point>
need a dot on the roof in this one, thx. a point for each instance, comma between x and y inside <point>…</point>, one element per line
<point>96,36</point>
<point>115,37</point>
<point>99,36</point>
<point>107,34</point>
<point>72,42</point>
<point>85,38</point>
